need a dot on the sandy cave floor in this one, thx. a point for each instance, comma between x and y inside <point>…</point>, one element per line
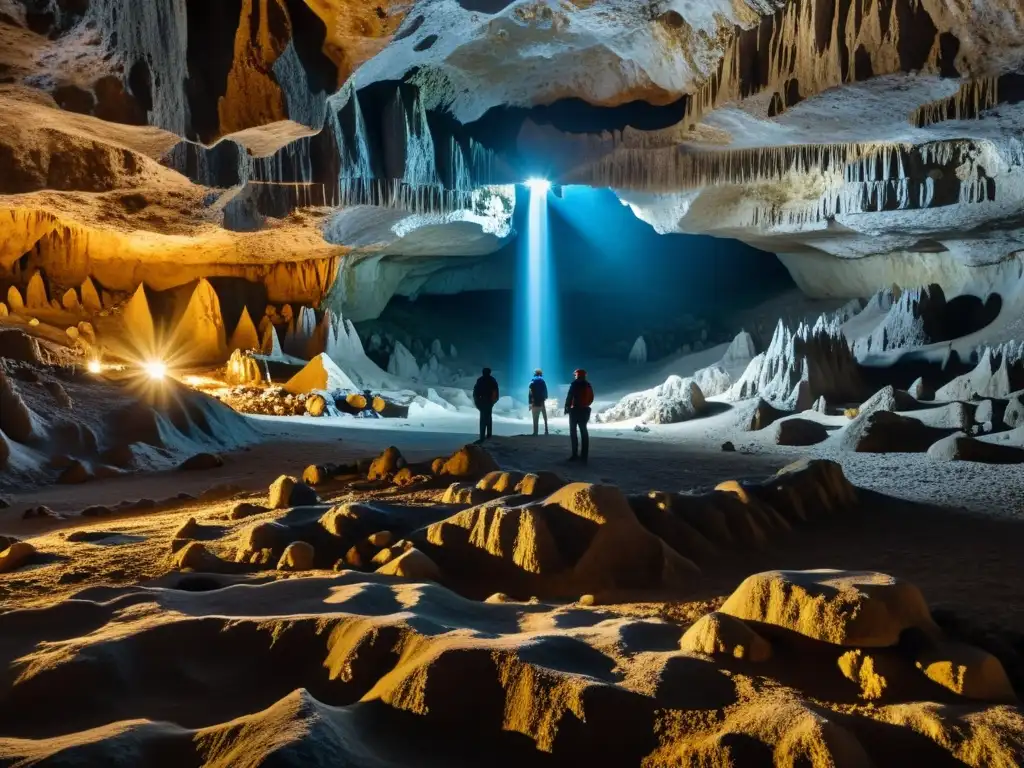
<point>966,562</point>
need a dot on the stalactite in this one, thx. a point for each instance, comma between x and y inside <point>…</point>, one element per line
<point>968,103</point>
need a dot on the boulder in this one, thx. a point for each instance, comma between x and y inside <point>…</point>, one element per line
<point>921,391</point>
<point>469,462</point>
<point>756,415</point>
<point>799,432</point>
<point>412,564</point>
<point>246,509</point>
<point>201,461</point>
<point>316,405</point>
<point>1013,415</point>
<point>887,399</point>
<point>288,492</point>
<point>75,473</point>
<point>194,556</point>
<point>951,416</point>
<point>297,556</point>
<point>966,671</point>
<point>16,555</point>
<point>713,380</point>
<point>885,432</point>
<point>719,634</point>
<point>676,400</point>
<point>960,447</point>
<point>539,484</point>
<point>847,608</point>
<point>58,393</point>
<point>387,465</point>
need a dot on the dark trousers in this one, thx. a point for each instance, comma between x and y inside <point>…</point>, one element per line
<point>578,418</point>
<point>486,423</point>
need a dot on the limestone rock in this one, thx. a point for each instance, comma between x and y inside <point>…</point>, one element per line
<point>58,393</point>
<point>270,342</point>
<point>381,539</point>
<point>888,398</point>
<point>387,465</point>
<point>539,484</point>
<point>847,608</point>
<point>412,564</point>
<point>960,447</point>
<point>244,337</point>
<point>4,312</point>
<point>243,370</point>
<point>757,415</point>
<point>194,556</point>
<point>316,405</point>
<point>676,400</point>
<point>246,509</point>
<point>297,556</point>
<point>86,331</point>
<point>863,669</point>
<point>201,461</point>
<point>16,555</point>
<point>75,473</point>
<point>967,671</point>
<point>469,462</point>
<point>885,432</point>
<point>719,634</point>
<point>500,482</point>
<point>70,300</point>
<point>921,391</point>
<point>713,380</point>
<point>288,492</point>
<point>15,301</point>
<point>90,297</point>
<point>799,432</point>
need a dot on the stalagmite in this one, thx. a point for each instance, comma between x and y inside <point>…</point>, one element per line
<point>36,296</point>
<point>301,333</point>
<point>402,363</point>
<point>138,323</point>
<point>244,337</point>
<point>70,300</point>
<point>90,296</point>
<point>638,354</point>
<point>14,300</point>
<point>270,343</point>
<point>320,374</point>
<point>200,335</point>
<point>3,310</point>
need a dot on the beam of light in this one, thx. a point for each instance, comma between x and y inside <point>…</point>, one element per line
<point>536,331</point>
<point>155,369</point>
<point>95,366</point>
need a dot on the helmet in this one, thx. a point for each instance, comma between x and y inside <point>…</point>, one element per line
<point>538,372</point>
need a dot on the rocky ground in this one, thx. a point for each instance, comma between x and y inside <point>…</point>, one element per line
<point>507,617</point>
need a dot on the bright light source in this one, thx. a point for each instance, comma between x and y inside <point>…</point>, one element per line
<point>155,369</point>
<point>538,185</point>
<point>95,366</point>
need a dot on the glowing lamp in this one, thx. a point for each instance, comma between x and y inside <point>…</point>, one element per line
<point>155,369</point>
<point>95,366</point>
<point>538,185</point>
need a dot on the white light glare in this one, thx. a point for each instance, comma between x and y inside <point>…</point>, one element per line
<point>538,185</point>
<point>155,369</point>
<point>95,366</point>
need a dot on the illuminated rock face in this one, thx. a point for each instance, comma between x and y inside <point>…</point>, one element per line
<point>358,150</point>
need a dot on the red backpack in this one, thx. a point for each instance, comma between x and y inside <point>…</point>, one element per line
<point>586,395</point>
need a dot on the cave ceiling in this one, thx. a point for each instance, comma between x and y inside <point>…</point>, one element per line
<point>865,142</point>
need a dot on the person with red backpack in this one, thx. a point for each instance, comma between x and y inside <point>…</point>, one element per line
<point>577,405</point>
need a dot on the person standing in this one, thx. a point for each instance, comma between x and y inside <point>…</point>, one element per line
<point>577,405</point>
<point>485,395</point>
<point>537,398</point>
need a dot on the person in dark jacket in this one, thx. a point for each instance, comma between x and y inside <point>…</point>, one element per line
<point>538,396</point>
<point>485,395</point>
<point>577,405</point>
